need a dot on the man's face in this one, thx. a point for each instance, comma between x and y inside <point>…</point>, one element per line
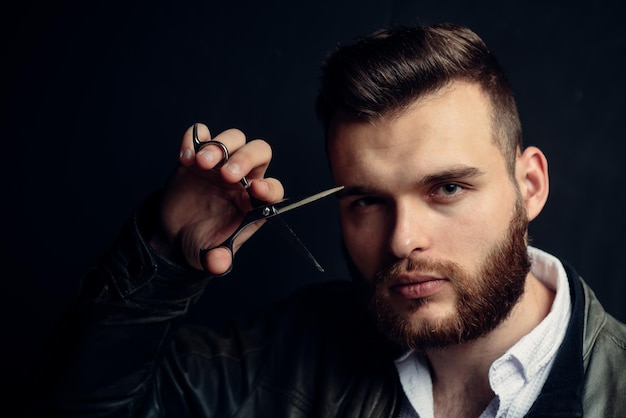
<point>431,219</point>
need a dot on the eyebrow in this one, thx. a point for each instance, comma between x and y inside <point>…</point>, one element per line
<point>451,174</point>
<point>454,173</point>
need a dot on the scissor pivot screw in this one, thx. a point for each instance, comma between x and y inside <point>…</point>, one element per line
<point>266,211</point>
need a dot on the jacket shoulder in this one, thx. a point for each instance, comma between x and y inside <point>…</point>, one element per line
<point>601,331</point>
<point>604,357</point>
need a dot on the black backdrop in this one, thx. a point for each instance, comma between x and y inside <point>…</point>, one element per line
<point>96,95</point>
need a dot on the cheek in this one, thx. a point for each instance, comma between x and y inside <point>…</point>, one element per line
<point>365,244</point>
<point>475,233</point>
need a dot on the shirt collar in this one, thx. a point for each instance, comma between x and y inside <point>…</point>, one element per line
<point>521,362</point>
<point>537,348</point>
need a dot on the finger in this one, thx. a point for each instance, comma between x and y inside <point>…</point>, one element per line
<point>187,154</point>
<point>217,261</point>
<point>268,190</point>
<point>210,156</point>
<point>251,161</point>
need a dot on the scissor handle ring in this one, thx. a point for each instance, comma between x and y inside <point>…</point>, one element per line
<point>198,145</point>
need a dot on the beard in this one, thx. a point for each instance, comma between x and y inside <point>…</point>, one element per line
<point>484,300</point>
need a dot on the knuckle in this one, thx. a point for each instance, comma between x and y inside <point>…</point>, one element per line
<point>262,147</point>
<point>234,135</point>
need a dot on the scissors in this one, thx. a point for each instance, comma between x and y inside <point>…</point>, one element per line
<point>261,211</point>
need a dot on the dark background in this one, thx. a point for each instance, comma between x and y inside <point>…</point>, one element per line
<point>96,96</point>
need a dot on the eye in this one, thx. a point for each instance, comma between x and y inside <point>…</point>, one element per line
<point>450,189</point>
<point>365,201</point>
<point>447,192</point>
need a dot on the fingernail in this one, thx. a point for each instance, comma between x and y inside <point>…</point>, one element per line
<point>207,155</point>
<point>186,154</point>
<point>233,168</point>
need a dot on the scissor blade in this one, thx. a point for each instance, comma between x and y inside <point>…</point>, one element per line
<point>293,204</point>
<point>281,226</point>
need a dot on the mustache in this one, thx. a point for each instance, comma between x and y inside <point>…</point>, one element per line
<point>438,268</point>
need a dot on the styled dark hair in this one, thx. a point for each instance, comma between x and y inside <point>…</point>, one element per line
<point>382,74</point>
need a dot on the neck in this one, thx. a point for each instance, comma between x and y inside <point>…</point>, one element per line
<point>464,369</point>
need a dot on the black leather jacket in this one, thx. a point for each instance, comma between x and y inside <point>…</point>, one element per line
<point>122,352</point>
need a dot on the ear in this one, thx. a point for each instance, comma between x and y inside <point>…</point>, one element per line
<point>531,173</point>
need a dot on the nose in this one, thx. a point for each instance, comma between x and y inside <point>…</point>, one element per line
<point>409,229</point>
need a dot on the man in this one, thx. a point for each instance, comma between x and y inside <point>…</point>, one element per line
<point>464,318</point>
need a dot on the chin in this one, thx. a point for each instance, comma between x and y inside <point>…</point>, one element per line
<point>429,312</point>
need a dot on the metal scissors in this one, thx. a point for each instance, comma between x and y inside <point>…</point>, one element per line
<point>261,211</point>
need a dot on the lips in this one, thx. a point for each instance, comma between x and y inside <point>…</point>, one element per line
<point>417,287</point>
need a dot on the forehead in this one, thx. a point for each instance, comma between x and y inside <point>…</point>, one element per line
<point>450,127</point>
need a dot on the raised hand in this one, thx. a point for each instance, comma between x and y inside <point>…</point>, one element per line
<point>204,201</point>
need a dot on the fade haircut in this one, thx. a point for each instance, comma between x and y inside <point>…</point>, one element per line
<point>381,75</point>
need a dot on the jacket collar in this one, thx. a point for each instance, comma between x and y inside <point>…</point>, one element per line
<point>561,395</point>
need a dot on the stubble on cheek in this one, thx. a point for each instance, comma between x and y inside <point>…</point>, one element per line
<point>479,303</point>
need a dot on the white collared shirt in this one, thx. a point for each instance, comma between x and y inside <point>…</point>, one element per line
<point>516,377</point>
